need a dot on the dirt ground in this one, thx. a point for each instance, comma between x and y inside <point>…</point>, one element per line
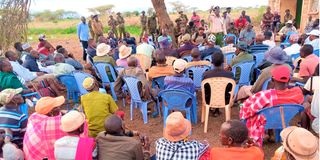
<point>154,127</point>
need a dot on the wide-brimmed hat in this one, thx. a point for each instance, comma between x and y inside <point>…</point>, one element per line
<point>103,49</point>
<point>281,73</point>
<point>289,22</point>
<point>300,143</point>
<point>72,121</point>
<point>186,37</point>
<point>124,51</point>
<point>314,32</point>
<point>242,45</point>
<point>276,55</point>
<point>46,104</point>
<point>7,95</point>
<point>179,65</point>
<point>177,127</point>
<point>88,83</point>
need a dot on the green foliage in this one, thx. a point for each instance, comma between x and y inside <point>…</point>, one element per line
<point>54,16</point>
<point>103,10</point>
<point>178,6</point>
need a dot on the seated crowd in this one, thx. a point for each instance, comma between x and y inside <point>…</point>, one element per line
<point>96,129</point>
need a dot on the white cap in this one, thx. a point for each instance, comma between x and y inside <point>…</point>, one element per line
<point>314,32</point>
<point>290,21</point>
<point>25,46</point>
<point>179,65</point>
<point>42,36</point>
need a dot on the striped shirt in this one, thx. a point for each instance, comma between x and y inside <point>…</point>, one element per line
<point>15,120</point>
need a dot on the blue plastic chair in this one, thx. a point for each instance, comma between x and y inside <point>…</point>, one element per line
<point>245,73</point>
<point>258,58</point>
<point>173,99</point>
<point>228,57</point>
<point>316,52</point>
<point>187,58</point>
<point>101,67</point>
<point>71,84</point>
<point>286,43</point>
<point>196,74</point>
<point>132,85</point>
<point>158,82</point>
<point>230,35</point>
<point>295,56</point>
<point>265,84</point>
<point>278,117</point>
<point>80,76</point>
<point>118,69</point>
<point>208,58</point>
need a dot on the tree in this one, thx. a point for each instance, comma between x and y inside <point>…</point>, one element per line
<point>103,10</point>
<point>163,18</point>
<point>150,11</point>
<point>178,6</point>
<point>13,21</point>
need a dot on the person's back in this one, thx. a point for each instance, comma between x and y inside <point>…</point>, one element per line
<point>76,64</point>
<point>97,106</point>
<point>145,48</point>
<point>196,60</point>
<point>161,69</point>
<point>31,63</point>
<point>251,153</point>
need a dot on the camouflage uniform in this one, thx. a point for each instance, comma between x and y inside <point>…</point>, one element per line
<point>152,25</point>
<point>113,26</point>
<point>143,21</point>
<point>120,21</point>
<point>90,29</point>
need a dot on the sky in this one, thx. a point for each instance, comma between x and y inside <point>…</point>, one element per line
<point>81,6</point>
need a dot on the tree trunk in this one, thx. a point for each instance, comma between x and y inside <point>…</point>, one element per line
<point>163,18</point>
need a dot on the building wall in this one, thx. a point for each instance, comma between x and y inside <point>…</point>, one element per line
<point>306,13</point>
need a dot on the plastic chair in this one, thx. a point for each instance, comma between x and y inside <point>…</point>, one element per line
<point>230,35</point>
<point>174,99</point>
<point>258,57</point>
<point>170,60</point>
<point>101,67</point>
<point>265,84</point>
<point>132,85</point>
<point>295,56</point>
<point>196,74</point>
<point>245,73</point>
<point>118,69</point>
<point>187,58</point>
<point>71,84</point>
<point>316,52</point>
<point>278,117</point>
<point>159,82</point>
<point>185,53</point>
<point>145,61</point>
<point>208,58</point>
<point>286,43</point>
<point>217,98</point>
<point>228,57</point>
<point>80,76</point>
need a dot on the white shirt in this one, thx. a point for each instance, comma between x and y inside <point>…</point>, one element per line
<point>315,100</point>
<point>315,44</point>
<point>269,43</point>
<point>146,49</point>
<point>293,49</point>
<point>23,72</point>
<point>65,148</point>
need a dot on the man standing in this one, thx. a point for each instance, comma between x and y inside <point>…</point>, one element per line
<point>217,27</point>
<point>196,19</point>
<point>267,18</point>
<point>120,21</point>
<point>143,21</point>
<point>183,20</point>
<point>90,26</point>
<point>97,27</point>
<point>112,23</point>
<point>83,35</point>
<point>287,16</point>
<point>152,25</point>
<point>243,13</point>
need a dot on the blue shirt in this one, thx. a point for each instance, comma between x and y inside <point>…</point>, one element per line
<point>83,31</point>
<point>77,65</point>
<point>31,64</point>
<point>182,83</point>
<point>208,51</point>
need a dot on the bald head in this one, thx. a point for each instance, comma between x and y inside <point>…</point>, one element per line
<point>195,53</point>
<point>259,38</point>
<point>113,125</point>
<point>132,61</point>
<point>59,58</point>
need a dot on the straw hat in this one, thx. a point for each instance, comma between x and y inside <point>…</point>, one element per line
<point>124,52</point>
<point>186,38</point>
<point>179,65</point>
<point>7,95</point>
<point>88,83</point>
<point>46,104</point>
<point>300,143</point>
<point>103,49</point>
<point>177,127</point>
<point>72,121</point>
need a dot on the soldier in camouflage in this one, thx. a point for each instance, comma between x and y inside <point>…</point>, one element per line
<point>152,25</point>
<point>143,21</point>
<point>112,23</point>
<point>90,27</point>
<point>120,22</point>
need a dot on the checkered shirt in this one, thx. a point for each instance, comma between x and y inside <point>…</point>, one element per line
<point>41,134</point>
<point>228,48</point>
<point>166,150</point>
